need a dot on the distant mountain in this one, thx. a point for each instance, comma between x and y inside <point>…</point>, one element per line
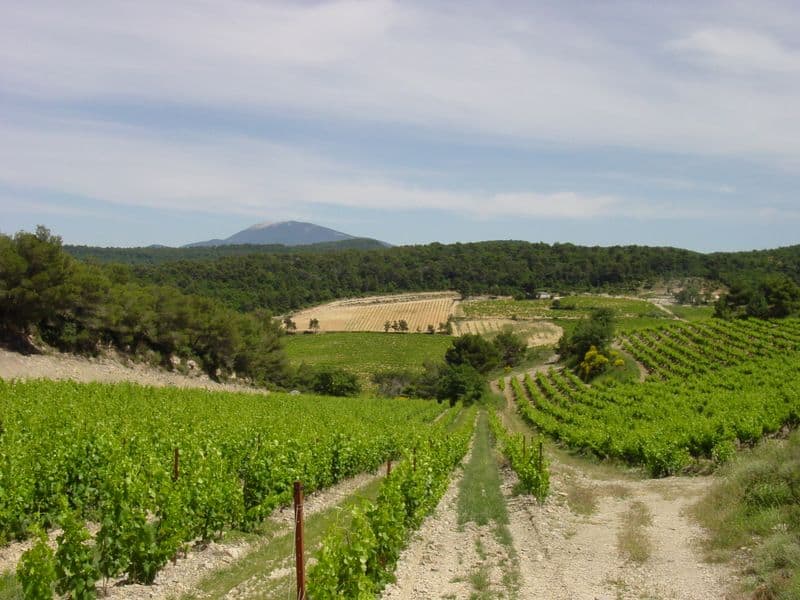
<point>288,233</point>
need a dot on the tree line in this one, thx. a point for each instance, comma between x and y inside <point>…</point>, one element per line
<point>286,281</point>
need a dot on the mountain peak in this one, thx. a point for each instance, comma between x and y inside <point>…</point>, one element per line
<point>263,225</point>
<point>287,233</point>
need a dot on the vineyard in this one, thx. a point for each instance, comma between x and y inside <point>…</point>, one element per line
<point>367,353</point>
<point>158,469</point>
<point>371,314</point>
<point>712,387</point>
<point>570,307</point>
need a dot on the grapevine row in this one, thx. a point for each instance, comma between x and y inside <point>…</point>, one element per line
<point>161,468</point>
<point>358,563</point>
<point>529,465</point>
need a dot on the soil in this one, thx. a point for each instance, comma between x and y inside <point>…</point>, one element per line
<point>565,555</point>
<point>436,562</point>
<point>537,332</point>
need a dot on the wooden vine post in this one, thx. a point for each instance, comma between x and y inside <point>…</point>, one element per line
<point>299,547</point>
<point>176,457</point>
<point>541,456</point>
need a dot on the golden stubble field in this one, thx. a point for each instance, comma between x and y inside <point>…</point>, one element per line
<point>537,332</point>
<point>371,313</point>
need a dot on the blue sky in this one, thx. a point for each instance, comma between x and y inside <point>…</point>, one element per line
<point>133,123</point>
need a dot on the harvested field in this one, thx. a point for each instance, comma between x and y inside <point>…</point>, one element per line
<point>371,314</point>
<point>537,332</point>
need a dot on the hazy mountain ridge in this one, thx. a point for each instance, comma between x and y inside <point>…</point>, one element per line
<point>286,233</point>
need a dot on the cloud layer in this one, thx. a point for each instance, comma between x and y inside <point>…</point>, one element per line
<point>702,81</point>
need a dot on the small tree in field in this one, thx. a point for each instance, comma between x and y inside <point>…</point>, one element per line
<point>446,327</point>
<point>313,325</point>
<point>387,326</point>
<point>402,325</point>
<point>290,325</point>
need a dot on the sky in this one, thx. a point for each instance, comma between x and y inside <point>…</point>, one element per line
<point>599,123</point>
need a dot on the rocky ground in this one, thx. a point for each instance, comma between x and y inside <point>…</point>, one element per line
<point>109,369</point>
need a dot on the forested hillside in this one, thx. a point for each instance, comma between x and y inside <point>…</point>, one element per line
<point>153,255</point>
<point>286,281</point>
<point>81,307</point>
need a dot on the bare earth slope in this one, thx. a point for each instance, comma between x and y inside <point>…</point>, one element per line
<point>105,369</point>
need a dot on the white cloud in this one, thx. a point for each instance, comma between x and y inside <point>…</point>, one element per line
<point>531,75</point>
<point>527,76</point>
<point>737,49</point>
<point>239,175</point>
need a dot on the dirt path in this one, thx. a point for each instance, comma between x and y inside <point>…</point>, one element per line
<point>104,369</point>
<point>581,544</point>
<point>434,563</point>
<point>571,554</point>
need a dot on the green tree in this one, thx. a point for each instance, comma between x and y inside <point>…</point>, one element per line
<point>34,280</point>
<point>460,382</point>
<point>473,350</point>
<point>510,346</point>
<point>325,380</point>
<point>597,331</point>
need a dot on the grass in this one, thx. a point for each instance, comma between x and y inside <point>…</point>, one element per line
<point>367,353</point>
<point>9,587</point>
<point>626,373</point>
<point>633,542</point>
<point>753,512</point>
<point>479,497</point>
<point>278,552</point>
<point>582,499</point>
<point>480,584</point>
<point>481,501</point>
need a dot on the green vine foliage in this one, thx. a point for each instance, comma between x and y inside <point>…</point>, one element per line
<point>105,453</point>
<point>36,570</point>
<point>359,561</point>
<point>76,572</point>
<point>529,465</point>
